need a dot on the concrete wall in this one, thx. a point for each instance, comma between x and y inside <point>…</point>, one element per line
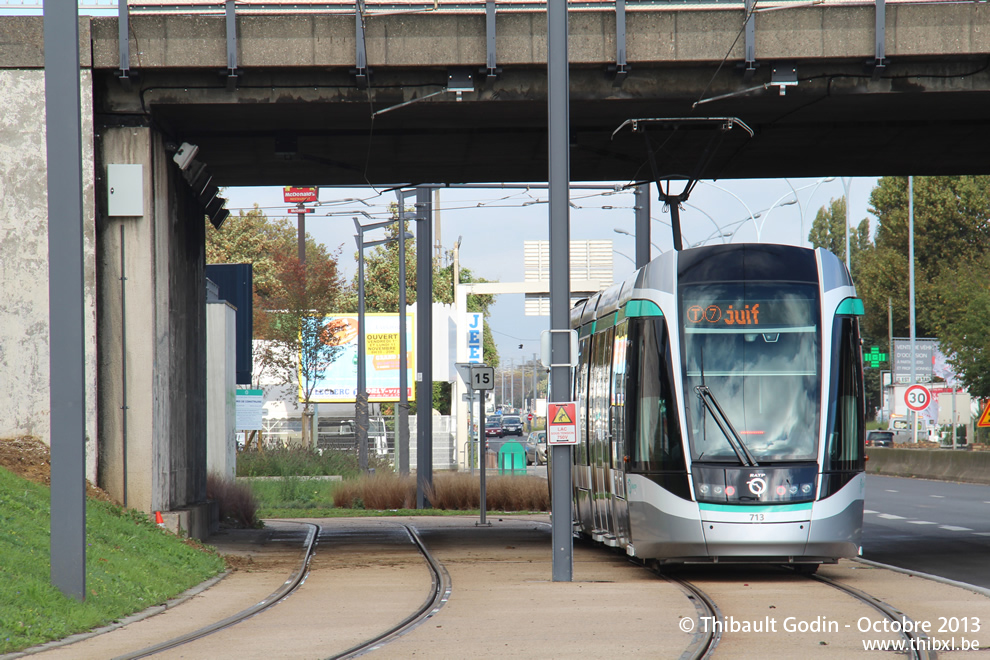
<point>221,389</point>
<point>24,354</point>
<point>163,324</point>
<point>939,464</point>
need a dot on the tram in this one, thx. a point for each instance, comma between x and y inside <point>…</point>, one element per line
<point>721,409</point>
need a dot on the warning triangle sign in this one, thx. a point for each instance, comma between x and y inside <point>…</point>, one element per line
<point>984,420</point>
<point>562,417</point>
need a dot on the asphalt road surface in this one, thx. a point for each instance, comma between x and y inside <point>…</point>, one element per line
<point>935,527</point>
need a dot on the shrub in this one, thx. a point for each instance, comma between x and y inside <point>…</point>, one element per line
<point>238,506</point>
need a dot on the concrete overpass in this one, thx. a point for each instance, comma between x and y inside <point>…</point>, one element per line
<point>280,97</point>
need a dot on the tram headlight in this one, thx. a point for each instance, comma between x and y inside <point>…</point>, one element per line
<point>718,490</point>
<point>794,489</point>
<point>805,489</point>
<point>703,489</point>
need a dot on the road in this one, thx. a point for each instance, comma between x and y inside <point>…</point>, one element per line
<point>935,527</point>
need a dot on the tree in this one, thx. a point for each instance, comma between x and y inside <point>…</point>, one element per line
<point>303,343</point>
<point>952,239</point>
<point>962,319</point>
<point>254,238</point>
<point>829,231</point>
<point>381,294</point>
<point>291,300</point>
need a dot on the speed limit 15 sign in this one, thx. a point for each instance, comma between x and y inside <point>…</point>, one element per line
<point>917,397</point>
<point>482,378</point>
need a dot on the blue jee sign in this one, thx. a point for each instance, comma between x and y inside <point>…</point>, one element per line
<point>475,330</point>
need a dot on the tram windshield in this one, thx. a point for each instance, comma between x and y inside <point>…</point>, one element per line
<point>755,346</point>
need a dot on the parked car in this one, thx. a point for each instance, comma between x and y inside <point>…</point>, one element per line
<point>512,425</point>
<point>880,439</point>
<point>538,441</point>
<point>493,429</point>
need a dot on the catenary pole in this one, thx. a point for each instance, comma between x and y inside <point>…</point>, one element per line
<point>558,120</point>
<point>65,299</point>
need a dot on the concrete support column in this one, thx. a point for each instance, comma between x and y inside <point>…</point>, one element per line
<point>160,258</point>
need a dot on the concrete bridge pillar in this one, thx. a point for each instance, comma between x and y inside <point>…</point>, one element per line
<point>152,333</point>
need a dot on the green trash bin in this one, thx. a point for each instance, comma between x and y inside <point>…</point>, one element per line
<point>512,458</point>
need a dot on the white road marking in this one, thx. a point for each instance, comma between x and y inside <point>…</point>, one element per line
<point>868,511</point>
<point>890,516</point>
<point>920,522</point>
<point>953,528</point>
<point>892,491</point>
<point>981,533</point>
<point>937,496</point>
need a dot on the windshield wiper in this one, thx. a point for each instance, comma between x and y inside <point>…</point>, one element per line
<point>725,426</point>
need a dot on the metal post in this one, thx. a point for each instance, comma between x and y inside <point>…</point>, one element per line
<point>403,349</point>
<point>424,348</point>
<point>484,467</point>
<point>642,225</point>
<point>845,188</point>
<point>123,367</point>
<point>301,232</point>
<point>65,299</point>
<point>512,384</point>
<point>914,373</point>
<point>361,398</point>
<point>558,120</point>
<point>123,40</point>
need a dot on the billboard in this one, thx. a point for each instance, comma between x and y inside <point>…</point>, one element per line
<point>339,383</point>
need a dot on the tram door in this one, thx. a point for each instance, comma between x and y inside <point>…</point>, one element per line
<point>601,363</point>
<point>617,421</point>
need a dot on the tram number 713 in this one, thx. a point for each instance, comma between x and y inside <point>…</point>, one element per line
<point>756,517</point>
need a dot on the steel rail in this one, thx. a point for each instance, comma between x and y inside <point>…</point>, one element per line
<point>704,642</point>
<point>890,612</point>
<point>289,586</point>
<point>439,594</point>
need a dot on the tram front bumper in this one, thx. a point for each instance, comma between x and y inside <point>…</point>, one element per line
<point>782,539</point>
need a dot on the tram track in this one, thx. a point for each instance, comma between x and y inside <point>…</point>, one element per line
<point>439,594</point>
<point>437,597</point>
<point>710,622</point>
<point>288,587</point>
<point>916,641</point>
<point>706,637</point>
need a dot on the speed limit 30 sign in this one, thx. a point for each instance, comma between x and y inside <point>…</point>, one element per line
<point>917,397</point>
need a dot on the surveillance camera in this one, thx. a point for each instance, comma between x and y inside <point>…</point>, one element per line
<point>185,155</point>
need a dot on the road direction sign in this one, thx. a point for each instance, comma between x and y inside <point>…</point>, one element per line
<point>562,423</point>
<point>917,397</point>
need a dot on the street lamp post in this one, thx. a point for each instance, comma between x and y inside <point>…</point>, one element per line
<point>361,398</point>
<point>626,233</point>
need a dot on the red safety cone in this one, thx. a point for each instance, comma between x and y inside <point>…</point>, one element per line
<point>158,519</point>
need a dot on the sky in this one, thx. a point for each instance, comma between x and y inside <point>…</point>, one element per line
<point>493,223</point>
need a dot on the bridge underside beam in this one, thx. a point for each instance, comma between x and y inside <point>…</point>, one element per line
<point>924,117</point>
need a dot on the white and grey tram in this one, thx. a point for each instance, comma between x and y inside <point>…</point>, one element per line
<point>721,409</point>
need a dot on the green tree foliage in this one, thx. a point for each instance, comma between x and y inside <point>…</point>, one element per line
<point>254,238</point>
<point>829,231</point>
<point>951,244</point>
<point>302,342</point>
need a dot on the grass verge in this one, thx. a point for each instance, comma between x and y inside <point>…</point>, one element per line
<point>131,564</point>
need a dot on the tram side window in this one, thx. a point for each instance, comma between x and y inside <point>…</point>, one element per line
<point>656,445</point>
<point>598,426</point>
<point>847,416</point>
<point>620,360</point>
<point>581,450</point>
